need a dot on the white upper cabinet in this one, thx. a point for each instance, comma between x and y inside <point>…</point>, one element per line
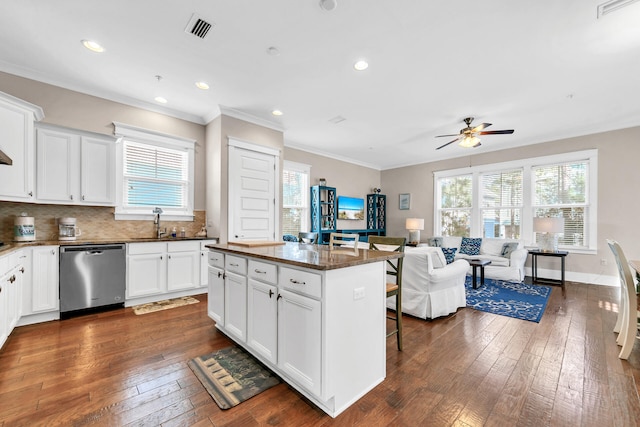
<point>17,119</point>
<point>74,167</point>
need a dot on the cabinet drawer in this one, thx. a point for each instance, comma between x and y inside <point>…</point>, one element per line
<point>191,246</point>
<point>263,271</point>
<point>216,259</point>
<point>235,264</point>
<point>302,282</point>
<point>146,248</point>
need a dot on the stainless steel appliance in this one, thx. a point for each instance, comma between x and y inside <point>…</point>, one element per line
<point>91,276</point>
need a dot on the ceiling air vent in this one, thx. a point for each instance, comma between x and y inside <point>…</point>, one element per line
<point>198,27</point>
<point>612,5</point>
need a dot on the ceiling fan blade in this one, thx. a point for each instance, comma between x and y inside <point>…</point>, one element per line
<point>496,132</point>
<point>480,127</point>
<point>453,134</point>
<point>450,142</point>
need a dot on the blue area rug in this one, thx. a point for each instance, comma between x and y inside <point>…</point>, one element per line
<point>511,299</point>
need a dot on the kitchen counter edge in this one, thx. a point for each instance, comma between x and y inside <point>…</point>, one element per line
<point>317,257</point>
<point>13,246</point>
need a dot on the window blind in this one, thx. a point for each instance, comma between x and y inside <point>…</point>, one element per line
<point>155,176</point>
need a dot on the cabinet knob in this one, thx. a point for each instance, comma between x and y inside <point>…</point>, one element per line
<point>297,282</point>
<point>12,278</point>
<point>30,193</point>
<point>279,296</point>
<point>219,273</point>
<point>160,256</point>
<point>260,271</point>
<point>169,256</point>
<point>83,197</point>
<point>71,197</point>
<point>271,293</point>
<point>53,251</point>
<point>22,270</point>
<point>233,265</point>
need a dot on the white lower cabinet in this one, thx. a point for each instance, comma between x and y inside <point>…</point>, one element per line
<point>262,317</point>
<point>300,322</point>
<point>156,270</point>
<point>299,339</point>
<point>215,262</point>
<point>183,265</point>
<point>45,294</point>
<point>146,269</point>
<point>276,311</point>
<point>235,303</point>
<point>5,275</point>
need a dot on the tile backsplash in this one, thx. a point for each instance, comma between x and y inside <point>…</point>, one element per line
<point>95,222</point>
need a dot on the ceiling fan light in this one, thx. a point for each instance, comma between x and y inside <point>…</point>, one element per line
<point>469,141</point>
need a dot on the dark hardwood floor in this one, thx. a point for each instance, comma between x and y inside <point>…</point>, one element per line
<point>469,369</point>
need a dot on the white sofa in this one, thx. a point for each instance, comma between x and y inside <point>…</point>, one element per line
<point>430,287</point>
<point>501,268</point>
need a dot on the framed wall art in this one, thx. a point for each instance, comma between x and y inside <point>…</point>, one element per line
<point>405,201</point>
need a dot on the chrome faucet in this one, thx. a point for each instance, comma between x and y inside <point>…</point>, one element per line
<point>157,211</point>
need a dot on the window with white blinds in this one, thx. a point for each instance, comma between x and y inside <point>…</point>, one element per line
<point>155,176</point>
<point>561,191</point>
<point>501,203</point>
<point>295,198</point>
<point>502,200</point>
<point>455,203</point>
<point>154,170</point>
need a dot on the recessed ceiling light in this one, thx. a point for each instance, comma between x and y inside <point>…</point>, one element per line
<point>328,5</point>
<point>361,65</point>
<point>160,99</point>
<point>92,46</point>
<point>202,85</point>
<point>273,51</point>
<point>277,113</point>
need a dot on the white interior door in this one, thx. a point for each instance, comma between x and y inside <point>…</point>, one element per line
<point>252,193</point>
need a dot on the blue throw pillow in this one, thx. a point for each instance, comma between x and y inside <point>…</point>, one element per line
<point>507,248</point>
<point>470,246</point>
<point>449,254</point>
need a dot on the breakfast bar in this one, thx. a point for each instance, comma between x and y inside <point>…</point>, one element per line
<point>314,316</point>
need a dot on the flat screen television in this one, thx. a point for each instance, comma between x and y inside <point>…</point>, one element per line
<point>350,208</point>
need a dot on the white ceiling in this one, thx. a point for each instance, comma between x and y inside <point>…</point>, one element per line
<point>548,69</point>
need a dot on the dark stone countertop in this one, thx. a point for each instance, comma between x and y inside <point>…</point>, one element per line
<point>12,246</point>
<point>317,257</point>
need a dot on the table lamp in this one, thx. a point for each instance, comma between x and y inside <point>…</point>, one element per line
<point>414,225</point>
<point>549,229</point>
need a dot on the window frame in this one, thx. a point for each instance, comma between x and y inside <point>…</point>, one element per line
<point>527,234</point>
<point>306,208</point>
<point>153,138</point>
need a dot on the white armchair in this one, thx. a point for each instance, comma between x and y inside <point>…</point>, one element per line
<point>431,287</point>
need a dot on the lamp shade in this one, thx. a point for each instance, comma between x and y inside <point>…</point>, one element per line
<point>414,224</point>
<point>548,225</point>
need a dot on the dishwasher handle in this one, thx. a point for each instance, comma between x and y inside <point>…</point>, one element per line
<point>91,249</point>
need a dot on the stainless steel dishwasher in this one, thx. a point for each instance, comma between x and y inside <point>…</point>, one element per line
<point>91,276</point>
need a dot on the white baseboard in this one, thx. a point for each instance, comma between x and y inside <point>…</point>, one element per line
<point>590,278</point>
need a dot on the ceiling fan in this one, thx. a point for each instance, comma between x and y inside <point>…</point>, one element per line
<point>469,136</point>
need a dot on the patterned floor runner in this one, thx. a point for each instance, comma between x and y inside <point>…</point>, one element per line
<point>231,376</point>
<point>163,305</point>
<point>512,299</point>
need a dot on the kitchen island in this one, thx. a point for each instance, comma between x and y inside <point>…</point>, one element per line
<point>316,317</point>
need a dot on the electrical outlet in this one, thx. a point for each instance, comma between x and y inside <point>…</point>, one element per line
<point>358,293</point>
<point>603,261</point>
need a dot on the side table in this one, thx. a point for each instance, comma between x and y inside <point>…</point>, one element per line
<point>478,263</point>
<point>534,267</point>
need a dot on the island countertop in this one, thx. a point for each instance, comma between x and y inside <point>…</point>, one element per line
<point>317,257</point>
